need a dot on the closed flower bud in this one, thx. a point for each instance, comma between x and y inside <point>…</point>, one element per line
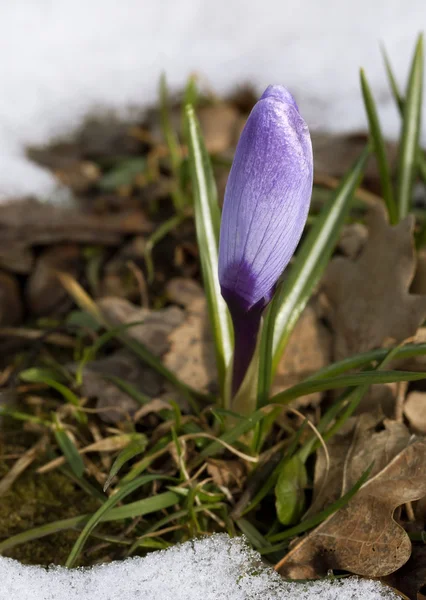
<point>265,209</point>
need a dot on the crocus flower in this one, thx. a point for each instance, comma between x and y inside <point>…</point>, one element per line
<point>265,209</point>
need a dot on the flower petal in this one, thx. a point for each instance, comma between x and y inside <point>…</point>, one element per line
<point>267,198</point>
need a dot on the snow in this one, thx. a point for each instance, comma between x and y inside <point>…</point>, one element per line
<point>215,568</point>
<point>62,58</point>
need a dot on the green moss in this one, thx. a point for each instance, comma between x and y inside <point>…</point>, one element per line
<point>35,500</point>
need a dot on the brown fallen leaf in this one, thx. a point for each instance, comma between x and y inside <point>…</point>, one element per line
<point>17,259</point>
<point>113,403</point>
<point>352,240</point>
<point>27,223</point>
<point>363,537</point>
<point>308,350</point>
<point>156,327</point>
<point>44,295</point>
<point>191,355</point>
<point>415,411</point>
<point>369,298</point>
<point>380,397</point>
<point>183,291</point>
<point>363,439</point>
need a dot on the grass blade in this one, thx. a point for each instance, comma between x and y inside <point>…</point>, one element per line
<point>69,450</point>
<point>379,149</point>
<point>342,381</point>
<point>172,144</point>
<point>232,435</point>
<point>365,358</point>
<point>207,220</point>
<point>311,261</point>
<point>38,375</point>
<point>85,302</point>
<point>400,102</point>
<point>137,446</point>
<point>104,509</point>
<point>132,510</point>
<point>410,133</point>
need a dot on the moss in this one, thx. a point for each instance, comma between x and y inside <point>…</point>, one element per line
<point>35,500</point>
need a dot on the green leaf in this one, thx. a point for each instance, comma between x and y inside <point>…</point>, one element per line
<point>342,381</point>
<point>191,96</point>
<point>207,221</point>
<point>410,133</point>
<point>310,263</point>
<point>379,149</point>
<point>173,145</point>
<point>271,480</point>
<point>400,102</point>
<point>160,232</point>
<point>38,375</point>
<point>365,358</point>
<point>106,508</point>
<point>123,174</point>
<point>253,535</point>
<point>290,490</point>
<point>69,450</point>
<point>137,446</point>
<point>311,522</point>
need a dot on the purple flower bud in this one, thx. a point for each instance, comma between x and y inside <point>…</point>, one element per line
<point>266,205</point>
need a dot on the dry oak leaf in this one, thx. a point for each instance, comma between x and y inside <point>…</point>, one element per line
<point>369,301</point>
<point>415,411</point>
<point>191,355</point>
<point>307,351</point>
<point>351,451</point>
<point>154,325</point>
<point>114,404</point>
<point>363,537</point>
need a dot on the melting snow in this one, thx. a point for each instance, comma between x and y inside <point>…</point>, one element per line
<point>215,568</point>
<point>62,58</point>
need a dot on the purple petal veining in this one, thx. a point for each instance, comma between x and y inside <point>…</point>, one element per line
<point>266,205</point>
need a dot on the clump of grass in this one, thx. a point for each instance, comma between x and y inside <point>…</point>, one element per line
<point>176,474</point>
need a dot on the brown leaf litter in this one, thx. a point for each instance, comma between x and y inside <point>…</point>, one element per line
<point>369,299</point>
<point>191,355</point>
<point>415,411</point>
<point>351,451</point>
<point>308,350</point>
<point>363,537</point>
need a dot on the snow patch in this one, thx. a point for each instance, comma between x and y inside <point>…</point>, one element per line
<point>214,568</point>
<point>62,58</point>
